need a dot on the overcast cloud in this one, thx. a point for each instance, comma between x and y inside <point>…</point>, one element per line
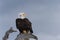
<point>44,15</point>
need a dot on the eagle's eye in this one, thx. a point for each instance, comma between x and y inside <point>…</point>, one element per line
<point>23,14</point>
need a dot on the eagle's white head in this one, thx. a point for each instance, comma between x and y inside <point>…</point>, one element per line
<point>21,15</point>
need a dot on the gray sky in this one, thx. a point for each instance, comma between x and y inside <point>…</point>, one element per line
<point>44,15</point>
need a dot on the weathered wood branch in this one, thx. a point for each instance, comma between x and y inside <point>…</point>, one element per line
<point>26,37</point>
<point>6,36</point>
<point>19,36</point>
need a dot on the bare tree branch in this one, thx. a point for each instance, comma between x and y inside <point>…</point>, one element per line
<point>26,37</point>
<point>19,36</point>
<point>6,36</point>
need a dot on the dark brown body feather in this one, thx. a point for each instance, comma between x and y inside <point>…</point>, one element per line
<point>23,24</point>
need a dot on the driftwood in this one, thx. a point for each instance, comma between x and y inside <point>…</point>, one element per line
<point>26,37</point>
<point>19,36</point>
<point>6,36</point>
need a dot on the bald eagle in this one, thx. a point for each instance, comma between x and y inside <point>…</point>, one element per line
<point>23,24</point>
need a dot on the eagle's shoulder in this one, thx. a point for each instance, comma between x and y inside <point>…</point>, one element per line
<point>18,19</point>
